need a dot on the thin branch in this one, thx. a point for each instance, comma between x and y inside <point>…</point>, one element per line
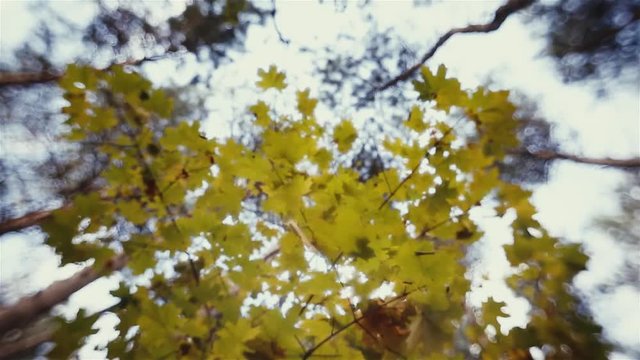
<point>552,155</point>
<point>283,39</point>
<point>29,308</point>
<point>501,14</point>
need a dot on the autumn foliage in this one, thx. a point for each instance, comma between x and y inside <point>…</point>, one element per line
<point>272,248</point>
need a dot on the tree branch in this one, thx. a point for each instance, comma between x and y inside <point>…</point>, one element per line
<point>552,155</point>
<point>12,349</point>
<point>28,78</point>
<point>25,221</point>
<point>29,308</point>
<point>42,77</point>
<point>501,14</point>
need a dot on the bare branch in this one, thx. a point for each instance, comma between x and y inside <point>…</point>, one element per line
<point>501,14</point>
<point>27,78</point>
<point>30,308</point>
<point>25,221</point>
<point>552,155</point>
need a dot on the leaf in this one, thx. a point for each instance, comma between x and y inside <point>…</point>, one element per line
<point>133,211</point>
<point>491,310</point>
<point>287,145</point>
<point>344,134</point>
<point>287,198</point>
<point>232,338</point>
<point>292,252</point>
<point>415,121</point>
<point>306,105</point>
<point>261,111</point>
<point>68,338</point>
<point>271,78</point>
<point>446,91</point>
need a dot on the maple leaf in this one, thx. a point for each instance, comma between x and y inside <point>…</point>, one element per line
<point>261,111</point>
<point>415,121</point>
<point>271,78</point>
<point>344,134</point>
<point>306,105</point>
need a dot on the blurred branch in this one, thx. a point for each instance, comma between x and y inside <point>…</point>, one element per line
<point>12,350</point>
<point>35,217</point>
<point>283,39</point>
<point>501,14</point>
<point>30,308</point>
<point>552,155</point>
<point>32,78</point>
<point>25,221</point>
<point>27,78</point>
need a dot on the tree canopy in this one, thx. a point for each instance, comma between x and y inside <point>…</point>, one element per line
<point>211,224</point>
<point>303,236</point>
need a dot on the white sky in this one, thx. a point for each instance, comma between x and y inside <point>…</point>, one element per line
<point>575,195</point>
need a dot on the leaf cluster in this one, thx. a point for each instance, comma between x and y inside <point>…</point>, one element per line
<point>278,250</point>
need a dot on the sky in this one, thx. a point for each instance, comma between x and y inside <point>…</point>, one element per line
<point>511,57</point>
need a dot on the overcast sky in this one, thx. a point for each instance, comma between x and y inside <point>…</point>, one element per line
<point>574,196</point>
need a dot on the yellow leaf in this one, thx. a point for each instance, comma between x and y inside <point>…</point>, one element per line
<point>261,111</point>
<point>415,121</point>
<point>292,252</point>
<point>306,105</point>
<point>271,79</point>
<point>266,230</point>
<point>344,135</point>
<point>287,198</point>
<point>289,145</point>
<point>231,339</point>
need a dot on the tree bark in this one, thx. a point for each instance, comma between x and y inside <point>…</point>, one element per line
<point>29,308</point>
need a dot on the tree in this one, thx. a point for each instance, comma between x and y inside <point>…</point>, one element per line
<point>285,218</point>
<point>401,221</point>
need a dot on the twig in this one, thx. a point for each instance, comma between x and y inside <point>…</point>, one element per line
<point>275,24</point>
